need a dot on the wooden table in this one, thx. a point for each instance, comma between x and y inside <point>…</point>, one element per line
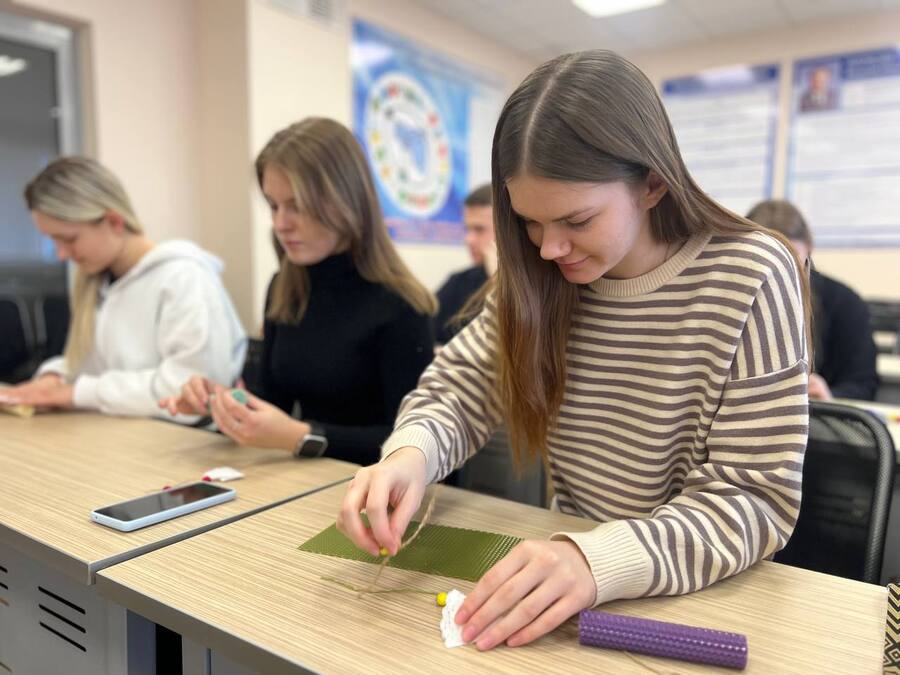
<point>245,592</point>
<point>56,469</point>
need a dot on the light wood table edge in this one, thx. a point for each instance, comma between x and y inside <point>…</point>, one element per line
<point>46,554</point>
<point>243,651</point>
<point>84,572</point>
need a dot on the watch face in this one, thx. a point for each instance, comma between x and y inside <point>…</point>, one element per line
<point>313,446</point>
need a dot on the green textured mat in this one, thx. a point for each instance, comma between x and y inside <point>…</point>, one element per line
<point>441,550</point>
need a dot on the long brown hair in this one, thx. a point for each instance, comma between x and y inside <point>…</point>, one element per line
<point>80,190</point>
<point>591,117</point>
<point>782,216</point>
<point>331,181</point>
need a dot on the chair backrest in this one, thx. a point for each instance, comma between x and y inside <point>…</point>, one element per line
<point>40,316</point>
<point>884,315</point>
<point>52,316</point>
<point>18,342</point>
<point>848,478</point>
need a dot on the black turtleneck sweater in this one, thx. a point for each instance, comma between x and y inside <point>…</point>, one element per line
<point>357,351</point>
<point>845,351</point>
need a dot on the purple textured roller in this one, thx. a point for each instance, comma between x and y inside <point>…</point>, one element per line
<point>658,638</point>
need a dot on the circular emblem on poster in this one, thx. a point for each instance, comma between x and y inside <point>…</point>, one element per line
<point>408,144</point>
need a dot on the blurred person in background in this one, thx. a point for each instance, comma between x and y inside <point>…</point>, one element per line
<point>478,216</point>
<point>845,352</point>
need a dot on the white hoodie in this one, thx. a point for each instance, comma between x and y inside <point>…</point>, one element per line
<point>169,317</point>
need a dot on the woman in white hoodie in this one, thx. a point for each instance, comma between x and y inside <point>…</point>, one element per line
<point>145,316</point>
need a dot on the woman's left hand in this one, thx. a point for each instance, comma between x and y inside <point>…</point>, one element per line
<point>535,588</point>
<point>47,392</point>
<point>257,423</point>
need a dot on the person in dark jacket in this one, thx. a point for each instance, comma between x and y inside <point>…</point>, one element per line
<point>845,351</point>
<point>478,216</point>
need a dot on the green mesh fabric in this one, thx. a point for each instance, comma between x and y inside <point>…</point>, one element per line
<point>440,550</point>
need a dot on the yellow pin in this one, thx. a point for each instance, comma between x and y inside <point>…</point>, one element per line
<point>441,599</point>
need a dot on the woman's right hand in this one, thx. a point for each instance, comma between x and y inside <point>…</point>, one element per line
<point>193,400</point>
<point>398,481</point>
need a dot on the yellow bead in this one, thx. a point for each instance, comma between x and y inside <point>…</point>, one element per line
<point>383,552</point>
<point>441,599</point>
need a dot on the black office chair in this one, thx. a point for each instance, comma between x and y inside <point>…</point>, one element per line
<point>848,479</point>
<point>52,319</point>
<point>884,316</point>
<point>18,343</point>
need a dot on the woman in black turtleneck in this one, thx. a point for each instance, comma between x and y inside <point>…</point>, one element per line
<point>347,329</point>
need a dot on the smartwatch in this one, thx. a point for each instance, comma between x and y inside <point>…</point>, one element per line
<point>313,444</point>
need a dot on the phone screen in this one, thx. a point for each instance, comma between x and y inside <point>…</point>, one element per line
<point>163,501</point>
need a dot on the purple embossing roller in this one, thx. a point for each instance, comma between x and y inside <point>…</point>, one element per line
<point>658,638</point>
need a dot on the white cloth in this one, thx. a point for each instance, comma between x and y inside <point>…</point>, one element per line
<point>450,631</point>
<point>167,318</point>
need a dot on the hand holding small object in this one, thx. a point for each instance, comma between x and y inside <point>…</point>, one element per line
<point>47,391</point>
<point>397,481</point>
<point>249,420</point>
<point>193,399</point>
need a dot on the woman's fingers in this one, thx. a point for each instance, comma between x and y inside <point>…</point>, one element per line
<point>350,520</point>
<point>236,411</point>
<point>404,510</point>
<point>496,595</point>
<point>377,513</point>
<point>551,618</point>
<point>495,577</point>
<point>521,613</point>
<point>192,399</point>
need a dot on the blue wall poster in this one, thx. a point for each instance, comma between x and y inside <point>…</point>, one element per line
<point>843,168</point>
<point>412,112</point>
<point>725,121</point>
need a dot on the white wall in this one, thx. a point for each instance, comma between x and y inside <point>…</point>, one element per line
<point>874,273</point>
<point>144,89</point>
<point>225,178</point>
<point>182,94</point>
<point>297,68</point>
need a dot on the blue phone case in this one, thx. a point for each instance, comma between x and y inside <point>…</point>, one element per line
<point>160,516</point>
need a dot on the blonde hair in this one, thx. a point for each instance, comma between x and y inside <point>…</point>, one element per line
<point>332,183</point>
<point>590,117</point>
<point>80,190</point>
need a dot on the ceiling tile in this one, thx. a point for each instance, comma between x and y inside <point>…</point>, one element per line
<point>810,11</point>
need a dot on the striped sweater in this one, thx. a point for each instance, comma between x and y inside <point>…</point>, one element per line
<point>683,423</point>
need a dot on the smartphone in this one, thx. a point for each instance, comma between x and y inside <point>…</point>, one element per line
<point>159,506</point>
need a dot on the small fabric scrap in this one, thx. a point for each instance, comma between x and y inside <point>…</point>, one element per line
<point>17,410</point>
<point>450,630</point>
<point>221,474</point>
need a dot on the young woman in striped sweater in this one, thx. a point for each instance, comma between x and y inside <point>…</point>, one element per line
<point>645,342</point>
